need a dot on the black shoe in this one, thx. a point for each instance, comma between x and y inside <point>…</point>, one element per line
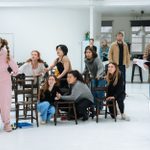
<point>85,118</point>
<point>92,114</point>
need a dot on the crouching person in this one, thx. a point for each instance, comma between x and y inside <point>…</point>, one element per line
<point>116,89</point>
<point>80,93</point>
<point>47,96</point>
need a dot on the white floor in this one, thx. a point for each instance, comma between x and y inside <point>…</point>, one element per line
<point>106,135</point>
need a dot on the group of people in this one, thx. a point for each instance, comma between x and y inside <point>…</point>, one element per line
<point>79,88</point>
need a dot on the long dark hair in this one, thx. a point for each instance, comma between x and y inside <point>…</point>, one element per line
<point>94,54</point>
<point>113,78</point>
<point>39,55</point>
<point>5,44</point>
<point>77,75</point>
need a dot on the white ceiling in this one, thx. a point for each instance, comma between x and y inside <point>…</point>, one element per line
<point>106,7</point>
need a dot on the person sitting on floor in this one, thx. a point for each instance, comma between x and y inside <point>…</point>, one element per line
<point>47,96</point>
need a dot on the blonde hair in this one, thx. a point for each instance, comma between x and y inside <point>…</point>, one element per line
<point>113,78</point>
<point>5,44</point>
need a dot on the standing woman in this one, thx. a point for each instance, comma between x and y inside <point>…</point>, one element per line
<point>34,66</point>
<point>63,65</point>
<point>116,88</point>
<point>103,51</point>
<point>5,83</point>
<point>95,69</point>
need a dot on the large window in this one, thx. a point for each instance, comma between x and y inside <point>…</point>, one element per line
<point>139,41</point>
<point>106,31</point>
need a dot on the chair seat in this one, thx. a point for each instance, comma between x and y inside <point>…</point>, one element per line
<point>105,102</point>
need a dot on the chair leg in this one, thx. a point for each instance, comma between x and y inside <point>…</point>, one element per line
<point>55,115</point>
<point>97,112</point>
<point>114,108</point>
<point>17,115</point>
<point>36,115</point>
<point>32,113</point>
<point>106,111</point>
<point>75,113</point>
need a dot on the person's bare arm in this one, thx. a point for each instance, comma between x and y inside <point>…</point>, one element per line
<point>66,64</point>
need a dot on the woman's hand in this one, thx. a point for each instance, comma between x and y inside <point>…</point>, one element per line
<point>110,97</point>
<point>58,96</point>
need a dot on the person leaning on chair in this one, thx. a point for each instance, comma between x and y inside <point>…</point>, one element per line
<point>63,65</point>
<point>115,89</point>
<point>80,93</point>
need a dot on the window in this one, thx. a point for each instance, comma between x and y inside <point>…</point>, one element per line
<point>139,42</point>
<point>106,31</point>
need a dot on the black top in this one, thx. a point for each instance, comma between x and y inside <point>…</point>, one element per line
<point>118,89</point>
<point>50,95</point>
<point>60,67</point>
<point>120,54</point>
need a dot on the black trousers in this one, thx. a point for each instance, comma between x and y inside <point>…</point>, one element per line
<point>81,107</point>
<point>120,101</point>
<point>122,68</point>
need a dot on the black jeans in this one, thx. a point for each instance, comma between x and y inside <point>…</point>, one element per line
<point>120,101</point>
<point>122,68</point>
<point>81,107</point>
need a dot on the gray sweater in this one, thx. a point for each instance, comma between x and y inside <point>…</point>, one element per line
<point>94,67</point>
<point>79,91</point>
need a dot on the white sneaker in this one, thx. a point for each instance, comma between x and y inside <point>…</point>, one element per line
<point>124,117</point>
<point>43,122</point>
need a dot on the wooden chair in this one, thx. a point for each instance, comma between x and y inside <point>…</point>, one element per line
<point>67,105</point>
<point>23,87</point>
<point>106,104</point>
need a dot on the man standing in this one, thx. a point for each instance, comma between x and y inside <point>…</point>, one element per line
<point>91,45</point>
<point>119,54</point>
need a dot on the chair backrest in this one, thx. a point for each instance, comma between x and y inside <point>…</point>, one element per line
<point>23,87</point>
<point>103,89</point>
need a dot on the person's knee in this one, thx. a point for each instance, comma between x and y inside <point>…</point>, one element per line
<point>43,106</point>
<point>52,110</point>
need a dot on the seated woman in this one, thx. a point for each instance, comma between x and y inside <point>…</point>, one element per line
<point>115,89</point>
<point>63,65</point>
<point>46,99</point>
<point>80,93</point>
<point>33,66</point>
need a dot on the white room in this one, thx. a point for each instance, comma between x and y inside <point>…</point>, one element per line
<point>41,25</point>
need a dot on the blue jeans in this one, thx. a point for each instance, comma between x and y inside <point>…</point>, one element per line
<point>98,94</point>
<point>46,110</point>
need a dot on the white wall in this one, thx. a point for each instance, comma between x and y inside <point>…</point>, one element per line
<point>43,29</point>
